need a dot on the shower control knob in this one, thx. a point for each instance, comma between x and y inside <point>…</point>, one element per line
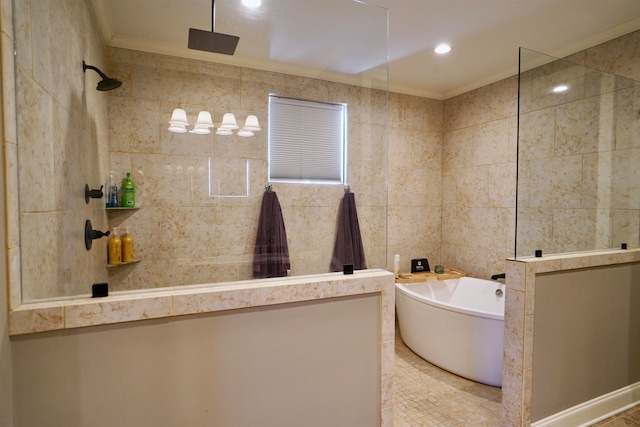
<point>92,194</point>
<point>90,234</point>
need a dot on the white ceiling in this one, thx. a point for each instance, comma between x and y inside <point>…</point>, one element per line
<point>345,40</point>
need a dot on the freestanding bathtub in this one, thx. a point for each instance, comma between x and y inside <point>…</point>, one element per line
<point>456,324</point>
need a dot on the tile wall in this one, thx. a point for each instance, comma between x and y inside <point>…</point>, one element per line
<point>62,139</point>
<point>579,153</point>
<point>479,164</point>
<point>184,234</point>
<point>446,189</point>
<point>479,175</point>
<point>187,231</point>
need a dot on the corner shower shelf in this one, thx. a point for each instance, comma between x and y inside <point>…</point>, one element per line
<point>110,266</point>
<point>121,208</point>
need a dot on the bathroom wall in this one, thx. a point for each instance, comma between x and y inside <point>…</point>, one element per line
<point>188,229</point>
<point>415,180</point>
<point>479,175</point>
<point>62,145</point>
<point>479,170</point>
<point>451,167</point>
<point>7,130</point>
<point>185,235</point>
<point>599,309</point>
<point>579,151</point>
<point>184,232</point>
<point>314,363</point>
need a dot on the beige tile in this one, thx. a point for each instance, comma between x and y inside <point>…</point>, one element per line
<point>12,211</point>
<point>537,134</point>
<point>615,56</point>
<point>214,84</point>
<point>35,148</point>
<point>514,335</point>
<point>580,128</point>
<point>117,310</point>
<point>556,182</point>
<point>7,13</point>
<point>386,380</point>
<point>28,320</point>
<point>8,88</point>
<point>280,293</point>
<point>491,142</point>
<point>425,395</point>
<point>159,77</point>
<point>213,299</point>
<point>14,278</point>
<point>134,125</point>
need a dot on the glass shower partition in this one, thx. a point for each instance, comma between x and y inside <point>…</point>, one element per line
<point>198,196</point>
<point>578,185</point>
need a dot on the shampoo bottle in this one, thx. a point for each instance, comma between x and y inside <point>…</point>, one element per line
<point>128,192</point>
<point>115,248</point>
<point>396,266</point>
<point>112,192</point>
<point>127,246</point>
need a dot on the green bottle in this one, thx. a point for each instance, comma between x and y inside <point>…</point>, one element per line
<point>128,192</point>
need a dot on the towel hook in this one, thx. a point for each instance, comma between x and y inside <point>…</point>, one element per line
<point>268,187</point>
<point>347,189</point>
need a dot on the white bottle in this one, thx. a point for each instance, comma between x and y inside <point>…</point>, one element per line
<point>396,266</point>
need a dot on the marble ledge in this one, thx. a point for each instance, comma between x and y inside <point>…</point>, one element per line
<point>571,261</point>
<point>184,300</point>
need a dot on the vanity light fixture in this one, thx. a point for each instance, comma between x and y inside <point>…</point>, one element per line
<point>442,48</point>
<point>229,124</point>
<point>179,123</point>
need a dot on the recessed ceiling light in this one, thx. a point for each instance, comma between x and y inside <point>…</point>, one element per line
<point>252,3</point>
<point>442,48</point>
<point>560,88</point>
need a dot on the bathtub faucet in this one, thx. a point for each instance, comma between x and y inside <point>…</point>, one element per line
<point>498,276</point>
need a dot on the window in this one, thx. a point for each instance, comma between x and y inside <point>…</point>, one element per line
<point>307,141</point>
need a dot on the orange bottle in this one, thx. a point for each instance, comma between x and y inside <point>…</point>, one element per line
<point>115,248</point>
<point>127,246</point>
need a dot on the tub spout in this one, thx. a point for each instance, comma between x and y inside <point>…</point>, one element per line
<point>498,276</point>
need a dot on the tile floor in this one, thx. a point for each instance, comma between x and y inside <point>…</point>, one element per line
<point>427,396</point>
<point>628,418</point>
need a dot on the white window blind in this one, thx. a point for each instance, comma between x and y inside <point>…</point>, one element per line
<point>307,141</point>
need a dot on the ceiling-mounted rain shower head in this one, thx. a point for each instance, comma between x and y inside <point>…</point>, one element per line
<point>210,41</point>
<point>107,83</point>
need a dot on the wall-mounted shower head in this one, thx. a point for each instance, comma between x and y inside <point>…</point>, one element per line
<point>107,83</point>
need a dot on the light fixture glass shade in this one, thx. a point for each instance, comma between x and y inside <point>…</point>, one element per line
<point>204,119</point>
<point>245,132</point>
<point>251,124</point>
<point>229,122</point>
<point>179,117</point>
<point>201,129</point>
<point>176,128</point>
<point>224,132</point>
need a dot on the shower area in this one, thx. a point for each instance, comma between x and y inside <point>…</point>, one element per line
<point>578,157</point>
<point>571,342</point>
<point>198,196</point>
